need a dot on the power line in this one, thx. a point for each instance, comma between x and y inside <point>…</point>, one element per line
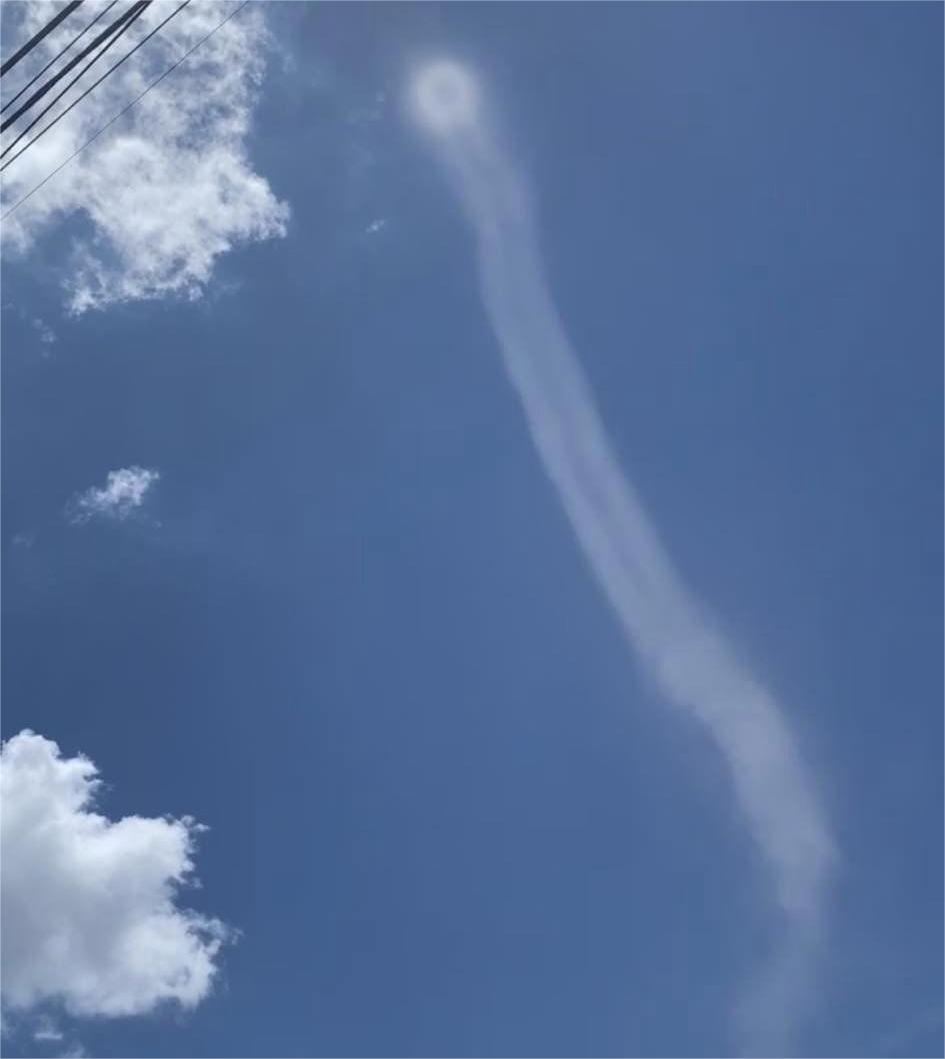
<point>94,85</point>
<point>62,165</point>
<point>104,35</point>
<point>56,58</point>
<point>78,77</point>
<point>37,37</point>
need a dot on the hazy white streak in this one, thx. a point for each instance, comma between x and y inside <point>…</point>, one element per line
<point>691,662</point>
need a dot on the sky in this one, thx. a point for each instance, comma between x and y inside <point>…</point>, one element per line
<point>282,562</point>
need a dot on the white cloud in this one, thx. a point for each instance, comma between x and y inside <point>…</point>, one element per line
<point>168,188</point>
<point>124,491</point>
<point>46,334</point>
<point>89,905</point>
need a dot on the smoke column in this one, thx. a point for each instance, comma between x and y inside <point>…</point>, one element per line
<point>691,663</point>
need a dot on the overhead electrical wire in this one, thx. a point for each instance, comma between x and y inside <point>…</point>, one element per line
<point>111,28</point>
<point>38,36</point>
<point>56,58</point>
<point>92,87</point>
<point>62,165</point>
<point>78,77</point>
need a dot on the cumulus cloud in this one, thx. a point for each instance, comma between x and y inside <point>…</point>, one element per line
<point>89,905</point>
<point>169,187</point>
<point>124,491</point>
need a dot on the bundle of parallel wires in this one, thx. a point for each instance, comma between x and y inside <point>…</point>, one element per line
<point>92,49</point>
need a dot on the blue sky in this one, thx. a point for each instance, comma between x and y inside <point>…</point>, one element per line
<point>349,628</point>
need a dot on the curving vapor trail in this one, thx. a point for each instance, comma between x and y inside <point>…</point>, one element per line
<point>690,661</point>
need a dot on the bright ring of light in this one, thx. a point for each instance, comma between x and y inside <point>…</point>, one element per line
<point>445,97</point>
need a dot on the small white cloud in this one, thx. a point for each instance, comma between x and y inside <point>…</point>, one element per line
<point>123,492</point>
<point>376,226</point>
<point>88,905</point>
<point>46,334</point>
<point>47,1030</point>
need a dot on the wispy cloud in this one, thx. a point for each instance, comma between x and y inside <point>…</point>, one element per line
<point>123,492</point>
<point>47,1030</point>
<point>89,905</point>
<point>46,334</point>
<point>694,666</point>
<point>169,187</point>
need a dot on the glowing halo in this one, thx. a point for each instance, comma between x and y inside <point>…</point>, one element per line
<point>445,97</point>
